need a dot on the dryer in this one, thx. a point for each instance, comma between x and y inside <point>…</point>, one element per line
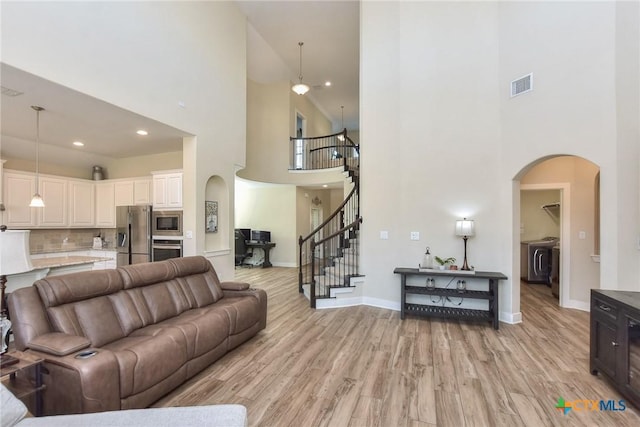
<point>535,260</point>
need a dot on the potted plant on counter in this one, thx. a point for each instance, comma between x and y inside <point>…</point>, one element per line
<point>444,262</point>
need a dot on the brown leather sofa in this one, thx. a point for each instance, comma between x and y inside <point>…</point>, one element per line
<point>152,326</point>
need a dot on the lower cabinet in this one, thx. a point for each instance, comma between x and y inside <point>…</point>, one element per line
<point>615,340</point>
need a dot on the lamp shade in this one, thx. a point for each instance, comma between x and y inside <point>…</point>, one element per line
<point>300,88</point>
<point>465,227</point>
<point>14,252</point>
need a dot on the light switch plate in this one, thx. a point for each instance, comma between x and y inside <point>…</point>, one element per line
<point>415,235</point>
<point>384,235</point>
<point>188,234</point>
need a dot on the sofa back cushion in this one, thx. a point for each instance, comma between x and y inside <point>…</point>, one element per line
<point>164,289</point>
<point>78,304</point>
<point>68,288</point>
<point>198,280</point>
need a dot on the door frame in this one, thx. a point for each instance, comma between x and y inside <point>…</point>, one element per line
<point>564,299</point>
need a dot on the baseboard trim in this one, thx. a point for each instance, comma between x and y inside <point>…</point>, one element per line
<point>578,305</point>
<point>511,318</point>
<point>284,264</point>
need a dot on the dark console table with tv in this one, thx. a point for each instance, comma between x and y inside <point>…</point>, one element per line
<point>266,247</point>
<point>615,340</point>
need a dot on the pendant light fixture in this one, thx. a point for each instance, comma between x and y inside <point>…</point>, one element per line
<point>300,88</point>
<point>36,200</point>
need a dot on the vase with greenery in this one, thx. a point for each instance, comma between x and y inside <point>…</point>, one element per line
<point>443,262</point>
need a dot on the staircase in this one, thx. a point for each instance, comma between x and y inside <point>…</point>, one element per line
<point>328,256</point>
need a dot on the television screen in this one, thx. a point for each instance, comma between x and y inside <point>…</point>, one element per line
<point>246,232</point>
<point>261,236</point>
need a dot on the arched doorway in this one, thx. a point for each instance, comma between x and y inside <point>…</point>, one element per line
<point>575,182</point>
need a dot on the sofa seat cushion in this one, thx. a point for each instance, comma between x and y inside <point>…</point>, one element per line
<point>145,360</point>
<point>202,330</point>
<point>242,312</point>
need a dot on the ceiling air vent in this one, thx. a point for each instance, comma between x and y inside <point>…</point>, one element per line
<point>522,85</point>
<point>10,92</point>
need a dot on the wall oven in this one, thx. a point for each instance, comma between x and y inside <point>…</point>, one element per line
<point>162,249</point>
<point>167,223</point>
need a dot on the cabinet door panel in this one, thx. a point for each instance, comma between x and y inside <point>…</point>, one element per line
<point>606,347</point>
<point>82,204</point>
<point>18,190</point>
<point>124,193</point>
<point>632,356</point>
<point>105,205</point>
<point>54,194</point>
<point>142,192</point>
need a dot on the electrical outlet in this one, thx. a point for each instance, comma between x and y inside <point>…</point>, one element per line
<point>384,235</point>
<point>415,235</point>
<point>582,235</point>
<point>188,234</point>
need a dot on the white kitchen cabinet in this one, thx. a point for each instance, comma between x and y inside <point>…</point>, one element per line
<point>123,193</point>
<point>105,205</point>
<point>142,192</point>
<point>81,204</point>
<point>134,192</point>
<point>18,191</point>
<point>167,190</point>
<point>54,194</point>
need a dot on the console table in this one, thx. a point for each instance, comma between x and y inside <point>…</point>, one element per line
<point>266,247</point>
<point>441,310</point>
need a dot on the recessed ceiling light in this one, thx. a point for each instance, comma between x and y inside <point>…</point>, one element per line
<point>324,185</point>
<point>142,132</point>
<point>327,83</point>
<point>78,143</point>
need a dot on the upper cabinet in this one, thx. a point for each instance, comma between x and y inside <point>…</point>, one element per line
<point>167,190</point>
<point>105,205</point>
<point>54,213</point>
<point>71,202</point>
<point>142,192</point>
<point>81,203</point>
<point>18,191</point>
<point>133,192</point>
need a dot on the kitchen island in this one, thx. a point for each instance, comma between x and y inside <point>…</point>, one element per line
<point>56,264</point>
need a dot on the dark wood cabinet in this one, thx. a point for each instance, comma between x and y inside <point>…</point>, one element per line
<point>615,340</point>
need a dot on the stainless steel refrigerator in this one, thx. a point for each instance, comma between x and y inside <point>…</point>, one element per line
<point>133,234</point>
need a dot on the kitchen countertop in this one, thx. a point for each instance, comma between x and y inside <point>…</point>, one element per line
<point>71,250</point>
<point>63,261</point>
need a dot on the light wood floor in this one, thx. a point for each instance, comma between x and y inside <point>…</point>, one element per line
<point>363,366</point>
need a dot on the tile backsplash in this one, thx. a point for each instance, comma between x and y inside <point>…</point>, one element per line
<point>61,240</point>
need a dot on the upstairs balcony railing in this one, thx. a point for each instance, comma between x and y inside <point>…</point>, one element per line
<point>322,152</point>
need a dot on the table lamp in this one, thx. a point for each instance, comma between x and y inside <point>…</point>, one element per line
<point>14,258</point>
<point>465,229</point>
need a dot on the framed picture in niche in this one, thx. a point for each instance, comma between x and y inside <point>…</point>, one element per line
<point>211,216</point>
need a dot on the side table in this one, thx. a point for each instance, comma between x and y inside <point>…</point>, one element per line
<point>17,379</point>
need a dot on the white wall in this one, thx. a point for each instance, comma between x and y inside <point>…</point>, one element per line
<point>145,57</point>
<point>430,135</point>
<point>435,82</point>
<point>535,222</point>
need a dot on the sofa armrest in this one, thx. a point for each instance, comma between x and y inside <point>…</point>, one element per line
<point>58,343</point>
<point>234,286</point>
<point>80,384</point>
